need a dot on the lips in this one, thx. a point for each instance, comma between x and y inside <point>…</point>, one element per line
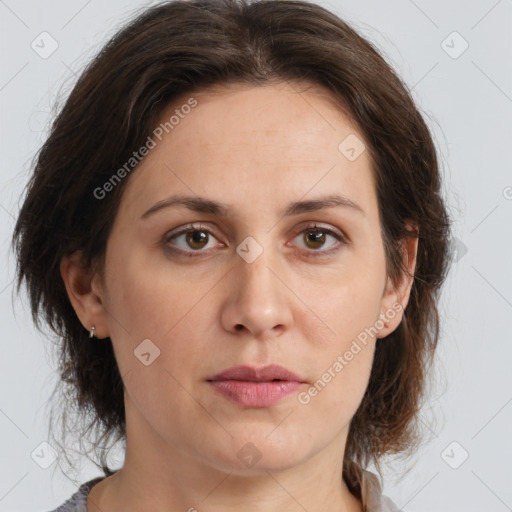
<point>256,387</point>
<point>268,373</point>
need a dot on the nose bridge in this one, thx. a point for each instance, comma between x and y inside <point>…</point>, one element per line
<point>256,275</point>
<point>256,282</point>
<point>257,299</point>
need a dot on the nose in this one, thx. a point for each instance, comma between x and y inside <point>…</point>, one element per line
<point>258,300</point>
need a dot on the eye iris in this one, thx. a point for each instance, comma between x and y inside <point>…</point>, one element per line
<point>194,237</point>
<point>318,238</point>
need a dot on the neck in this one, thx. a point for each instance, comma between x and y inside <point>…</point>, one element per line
<point>161,475</point>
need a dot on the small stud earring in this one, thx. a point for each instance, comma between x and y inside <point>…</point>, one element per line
<point>91,332</point>
<point>384,322</point>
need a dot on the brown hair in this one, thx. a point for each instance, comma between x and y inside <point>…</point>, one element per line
<point>180,47</point>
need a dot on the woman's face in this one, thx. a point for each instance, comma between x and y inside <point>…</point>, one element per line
<point>253,282</point>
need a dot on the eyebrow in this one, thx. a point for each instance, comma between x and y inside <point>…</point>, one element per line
<point>204,205</point>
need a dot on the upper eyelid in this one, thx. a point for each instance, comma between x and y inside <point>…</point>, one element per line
<point>205,227</point>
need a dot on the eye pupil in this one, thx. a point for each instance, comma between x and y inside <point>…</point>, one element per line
<point>196,237</point>
<point>318,238</point>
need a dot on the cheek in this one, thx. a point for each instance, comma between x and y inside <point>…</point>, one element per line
<point>342,329</point>
<point>146,306</point>
<point>342,366</point>
<point>149,298</point>
<point>344,307</point>
<point>157,303</point>
<point>346,299</point>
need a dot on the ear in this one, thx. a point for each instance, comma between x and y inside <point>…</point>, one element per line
<point>395,298</point>
<point>85,291</point>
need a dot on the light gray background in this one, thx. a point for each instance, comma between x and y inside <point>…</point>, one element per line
<point>468,104</point>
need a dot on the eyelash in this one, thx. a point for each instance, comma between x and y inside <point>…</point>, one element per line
<point>309,229</point>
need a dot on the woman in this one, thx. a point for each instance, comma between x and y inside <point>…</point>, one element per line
<point>236,230</point>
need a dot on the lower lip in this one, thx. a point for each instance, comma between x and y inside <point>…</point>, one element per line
<point>255,394</point>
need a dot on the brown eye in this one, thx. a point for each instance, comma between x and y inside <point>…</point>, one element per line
<point>320,241</point>
<point>190,241</point>
<point>196,239</point>
<point>314,239</point>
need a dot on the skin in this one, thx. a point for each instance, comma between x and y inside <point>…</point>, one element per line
<point>257,149</point>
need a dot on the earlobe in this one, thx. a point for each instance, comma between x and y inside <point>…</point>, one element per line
<point>84,298</point>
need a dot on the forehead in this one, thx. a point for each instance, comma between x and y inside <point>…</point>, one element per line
<point>281,111</point>
<point>242,140</point>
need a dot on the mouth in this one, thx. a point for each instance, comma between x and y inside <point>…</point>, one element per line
<point>256,387</point>
<point>269,373</point>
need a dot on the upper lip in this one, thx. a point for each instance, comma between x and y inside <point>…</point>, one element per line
<point>252,374</point>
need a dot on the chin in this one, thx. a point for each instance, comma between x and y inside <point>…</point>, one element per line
<point>259,454</point>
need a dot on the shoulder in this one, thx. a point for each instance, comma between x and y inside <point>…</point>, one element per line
<point>78,502</point>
